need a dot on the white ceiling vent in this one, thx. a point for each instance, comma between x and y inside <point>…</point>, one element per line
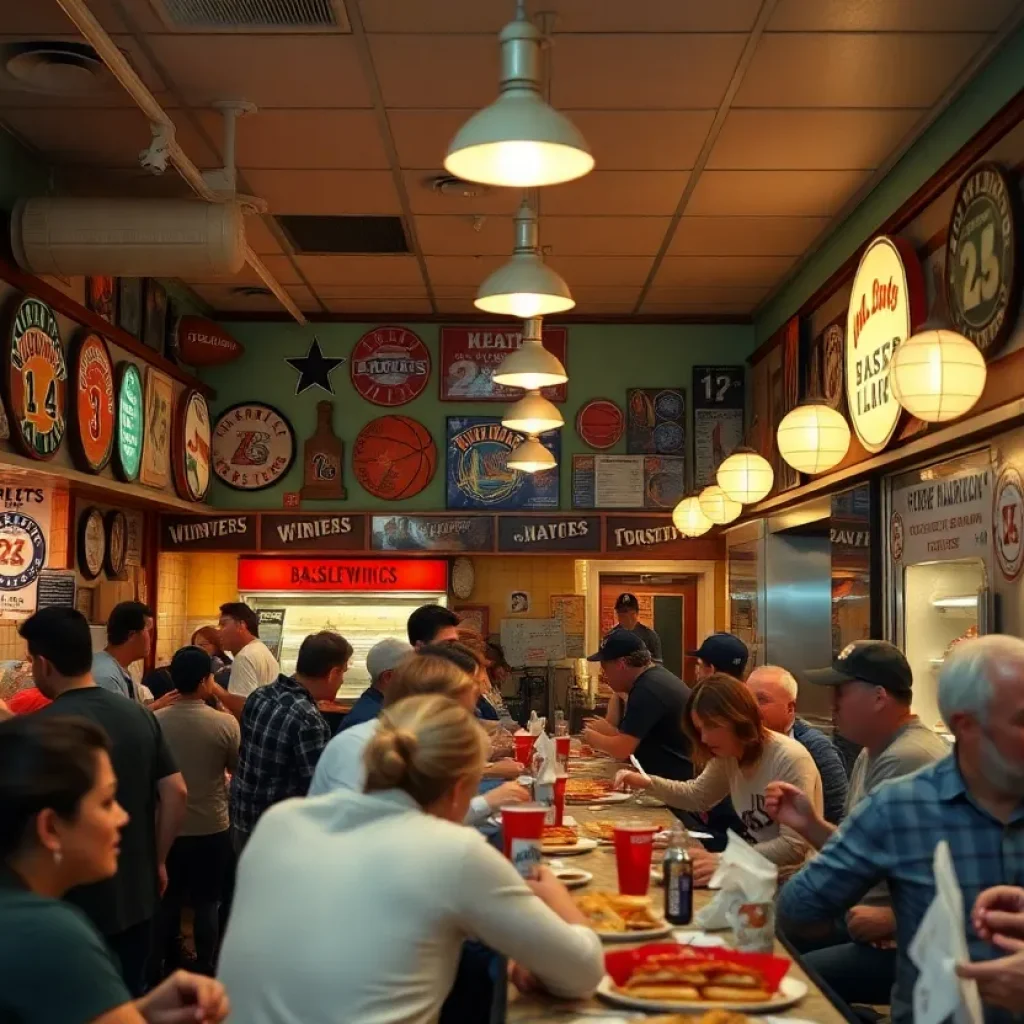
<point>55,68</point>
<point>253,15</point>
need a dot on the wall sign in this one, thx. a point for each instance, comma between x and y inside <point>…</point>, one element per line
<point>825,367</point>
<point>323,458</point>
<point>131,423</point>
<point>315,369</point>
<point>656,421</point>
<point>156,445</point>
<point>470,355</point>
<point>288,531</point>
<point>208,533</point>
<point>191,449</point>
<point>432,533</point>
<point>36,380</point>
<point>628,481</point>
<point>135,522</point>
<point>154,317</point>
<point>1008,522</point>
<point>94,407</point>
<point>129,305</point>
<point>549,533</point>
<point>101,297</point>
<point>409,575</point>
<point>55,589</point>
<point>982,275</point>
<point>271,626</point>
<point>477,467</point>
<point>202,342</point>
<point>719,401</point>
<point>117,543</point>
<point>24,535</point>
<point>600,423</point>
<point>886,304</point>
<point>654,536</point>
<point>253,446</point>
<point>92,543</point>
<point>390,366</point>
<point>394,457</point>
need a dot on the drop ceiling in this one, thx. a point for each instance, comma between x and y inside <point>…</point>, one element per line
<point>728,136</point>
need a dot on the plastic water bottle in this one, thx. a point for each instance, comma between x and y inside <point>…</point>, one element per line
<point>678,871</point>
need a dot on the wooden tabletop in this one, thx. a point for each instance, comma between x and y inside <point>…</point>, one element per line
<point>601,863</point>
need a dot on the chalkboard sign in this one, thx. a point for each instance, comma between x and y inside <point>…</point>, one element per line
<point>55,589</point>
<point>271,622</point>
<point>529,642</point>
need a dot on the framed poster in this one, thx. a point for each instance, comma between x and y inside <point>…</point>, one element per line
<point>470,355</point>
<point>628,481</point>
<point>253,446</point>
<point>474,616</point>
<point>94,404</point>
<point>154,319</point>
<point>719,400</point>
<point>129,305</point>
<point>24,536</point>
<point>101,297</point>
<point>156,445</point>
<point>477,472</point>
<point>656,421</point>
<point>432,533</point>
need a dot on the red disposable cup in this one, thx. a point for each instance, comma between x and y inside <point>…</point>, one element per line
<point>524,749</point>
<point>560,782</point>
<point>522,826</point>
<point>562,751</point>
<point>634,845</point>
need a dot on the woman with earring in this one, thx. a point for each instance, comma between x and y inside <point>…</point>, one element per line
<point>60,826</point>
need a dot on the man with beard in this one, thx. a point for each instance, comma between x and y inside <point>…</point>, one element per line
<point>973,798</point>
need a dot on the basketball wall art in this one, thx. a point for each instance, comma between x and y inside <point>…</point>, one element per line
<point>394,457</point>
<point>600,423</point>
<point>477,472</point>
<point>390,366</point>
<point>656,421</point>
<point>253,446</point>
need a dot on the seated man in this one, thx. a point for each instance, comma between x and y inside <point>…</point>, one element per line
<point>381,660</point>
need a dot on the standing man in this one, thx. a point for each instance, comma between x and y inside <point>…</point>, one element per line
<point>627,611</point>
<point>253,666</point>
<point>432,624</point>
<point>775,691</point>
<point>283,733</point>
<point>381,660</point>
<point>720,652</point>
<point>129,638</point>
<point>149,786</point>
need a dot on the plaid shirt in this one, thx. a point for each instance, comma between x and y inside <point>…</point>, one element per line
<point>891,836</point>
<point>283,735</point>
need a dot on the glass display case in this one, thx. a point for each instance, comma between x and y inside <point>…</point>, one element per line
<point>742,569</point>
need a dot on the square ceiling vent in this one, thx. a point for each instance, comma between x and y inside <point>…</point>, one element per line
<point>253,15</point>
<point>345,235</point>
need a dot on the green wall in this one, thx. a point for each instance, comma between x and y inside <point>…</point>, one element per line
<point>603,360</point>
<point>21,173</point>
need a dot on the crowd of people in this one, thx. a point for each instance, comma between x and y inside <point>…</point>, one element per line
<point>356,877</point>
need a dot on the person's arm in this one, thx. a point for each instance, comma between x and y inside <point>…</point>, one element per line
<point>789,805</point>
<point>643,712</point>
<point>180,999</point>
<point>312,735</point>
<point>618,745</point>
<point>613,714</point>
<point>234,703</point>
<point>708,790</point>
<point>789,847</point>
<point>232,742</point>
<point>834,783</point>
<point>5,711</point>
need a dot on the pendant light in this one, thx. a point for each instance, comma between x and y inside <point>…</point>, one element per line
<point>532,414</point>
<point>531,366</point>
<point>525,286</point>
<point>746,476</point>
<point>718,506</point>
<point>519,141</point>
<point>689,519</point>
<point>531,457</point>
<point>813,437</point>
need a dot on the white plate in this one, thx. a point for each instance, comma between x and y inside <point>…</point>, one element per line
<point>608,798</point>
<point>641,936</point>
<point>573,878</point>
<point>789,993</point>
<point>583,845</point>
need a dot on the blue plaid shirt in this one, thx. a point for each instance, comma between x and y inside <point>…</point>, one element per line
<point>891,836</point>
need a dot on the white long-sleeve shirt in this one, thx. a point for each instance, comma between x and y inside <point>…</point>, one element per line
<point>351,908</point>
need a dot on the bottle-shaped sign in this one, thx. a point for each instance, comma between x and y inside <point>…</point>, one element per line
<point>323,458</point>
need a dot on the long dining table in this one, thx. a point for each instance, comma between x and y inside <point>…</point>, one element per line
<point>541,1009</point>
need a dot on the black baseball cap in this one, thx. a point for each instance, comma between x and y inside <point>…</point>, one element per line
<point>723,651</point>
<point>874,662</point>
<point>619,643</point>
<point>624,601</point>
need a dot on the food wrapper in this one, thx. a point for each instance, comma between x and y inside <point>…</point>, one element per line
<point>621,964</point>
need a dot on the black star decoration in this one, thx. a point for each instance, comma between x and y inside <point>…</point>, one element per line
<point>314,369</point>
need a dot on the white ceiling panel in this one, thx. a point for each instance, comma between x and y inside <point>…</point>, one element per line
<point>260,237</point>
<point>381,271</point>
<point>721,271</point>
<point>466,235</point>
<point>621,193</point>
<point>745,236</point>
<point>773,193</point>
<point>326,192</point>
<point>889,15</point>
<point>603,236</point>
<point>601,270</point>
<point>444,71</point>
<point>423,198</point>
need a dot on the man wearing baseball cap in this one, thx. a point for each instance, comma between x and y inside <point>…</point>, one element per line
<point>381,660</point>
<point>627,611</point>
<point>721,652</point>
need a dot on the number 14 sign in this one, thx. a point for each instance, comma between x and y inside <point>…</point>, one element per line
<point>718,402</point>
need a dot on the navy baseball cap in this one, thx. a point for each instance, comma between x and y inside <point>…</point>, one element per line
<point>624,601</point>
<point>723,651</point>
<point>619,643</point>
<point>874,662</point>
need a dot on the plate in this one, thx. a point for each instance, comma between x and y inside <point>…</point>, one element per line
<point>608,798</point>
<point>641,936</point>
<point>573,878</point>
<point>789,993</point>
<point>584,845</point>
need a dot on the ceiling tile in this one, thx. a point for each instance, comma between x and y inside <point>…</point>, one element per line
<point>372,306</point>
<point>854,70</point>
<point>721,271</point>
<point>643,71</point>
<point>423,198</point>
<point>745,236</point>
<point>283,269</point>
<point>711,296</point>
<point>603,236</point>
<point>84,180</point>
<point>886,16</point>
<point>47,20</point>
<point>277,70</point>
<point>599,309</point>
<point>260,237</point>
<point>326,192</point>
<point>811,139</point>
<point>638,193</point>
<point>773,193</point>
<point>462,272</point>
<point>222,298</point>
<point>371,293</point>
<point>457,305</point>
<point>465,235</point>
<point>381,271</point>
<point>244,278</point>
<point>422,136</point>
<point>590,295</point>
<point>602,270</point>
<point>414,72</point>
<point>698,309</point>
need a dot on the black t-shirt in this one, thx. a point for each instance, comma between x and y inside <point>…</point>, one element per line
<point>651,640</point>
<point>654,715</point>
<point>140,758</point>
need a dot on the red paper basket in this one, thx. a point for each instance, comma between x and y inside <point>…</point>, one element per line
<point>620,965</point>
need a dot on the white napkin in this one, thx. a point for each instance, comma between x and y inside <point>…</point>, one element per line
<point>742,876</point>
<point>545,760</point>
<point>535,726</point>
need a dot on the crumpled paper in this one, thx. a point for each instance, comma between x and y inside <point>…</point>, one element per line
<point>535,726</point>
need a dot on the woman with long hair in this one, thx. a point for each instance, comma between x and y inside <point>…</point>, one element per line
<point>739,757</point>
<point>60,826</point>
<point>353,907</point>
<point>491,705</point>
<point>208,638</point>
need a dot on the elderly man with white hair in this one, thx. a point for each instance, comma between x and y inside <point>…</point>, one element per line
<point>775,691</point>
<point>973,798</point>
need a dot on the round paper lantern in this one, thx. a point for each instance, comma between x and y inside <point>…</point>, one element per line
<point>718,506</point>
<point>937,375</point>
<point>688,518</point>
<point>745,476</point>
<point>813,438</point>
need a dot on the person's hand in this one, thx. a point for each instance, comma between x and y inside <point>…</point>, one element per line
<point>704,866</point>
<point>788,805</point>
<point>598,725</point>
<point>506,768</point>
<point>626,779</point>
<point>1000,982</point>
<point>169,698</point>
<point>161,879</point>
<point>185,999</point>
<point>523,980</point>
<point>506,793</point>
<point>870,924</point>
<point>998,916</point>
<point>551,891</point>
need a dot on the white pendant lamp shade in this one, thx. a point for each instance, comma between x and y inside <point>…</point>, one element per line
<point>937,374</point>
<point>689,519</point>
<point>813,438</point>
<point>525,286</point>
<point>531,457</point>
<point>718,506</point>
<point>519,141</point>
<point>746,476</point>
<point>531,366</point>
<point>532,414</point>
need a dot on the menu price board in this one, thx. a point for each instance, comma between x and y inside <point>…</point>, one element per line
<point>628,481</point>
<point>571,610</point>
<point>718,402</point>
<point>529,642</point>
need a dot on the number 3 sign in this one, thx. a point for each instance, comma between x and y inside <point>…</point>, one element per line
<point>93,407</point>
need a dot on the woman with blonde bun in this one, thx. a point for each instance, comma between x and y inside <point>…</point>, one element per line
<point>352,908</point>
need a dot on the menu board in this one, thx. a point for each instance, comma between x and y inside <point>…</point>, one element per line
<point>718,403</point>
<point>628,481</point>
<point>530,642</point>
<point>571,610</point>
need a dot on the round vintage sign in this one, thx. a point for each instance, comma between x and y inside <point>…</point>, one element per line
<point>36,380</point>
<point>600,423</point>
<point>832,366</point>
<point>22,550</point>
<point>117,543</point>
<point>94,404</point>
<point>92,543</point>
<point>191,455</point>
<point>130,423</point>
<point>1008,522</point>
<point>390,366</point>
<point>253,446</point>
<point>886,303</point>
<point>982,286</point>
